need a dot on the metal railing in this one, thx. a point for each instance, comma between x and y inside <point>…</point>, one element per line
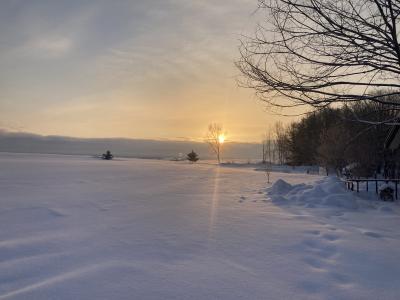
<point>350,184</point>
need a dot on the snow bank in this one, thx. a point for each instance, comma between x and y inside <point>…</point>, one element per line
<point>281,187</point>
<point>387,185</point>
<point>329,192</point>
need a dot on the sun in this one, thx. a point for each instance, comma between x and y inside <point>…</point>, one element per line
<point>221,138</point>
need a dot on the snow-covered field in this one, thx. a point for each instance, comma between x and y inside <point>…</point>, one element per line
<point>78,228</point>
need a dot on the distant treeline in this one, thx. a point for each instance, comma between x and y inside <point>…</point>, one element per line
<point>138,148</point>
<point>336,138</point>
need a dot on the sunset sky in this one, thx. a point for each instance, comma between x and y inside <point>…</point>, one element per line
<point>159,69</point>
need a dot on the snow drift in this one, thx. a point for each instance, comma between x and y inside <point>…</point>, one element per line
<point>328,192</point>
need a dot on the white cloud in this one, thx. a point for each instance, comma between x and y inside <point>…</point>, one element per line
<point>146,67</point>
<point>54,46</point>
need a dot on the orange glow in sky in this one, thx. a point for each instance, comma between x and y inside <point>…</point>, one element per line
<point>134,69</point>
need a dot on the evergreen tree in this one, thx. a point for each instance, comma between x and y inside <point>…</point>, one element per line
<point>192,156</point>
<point>107,155</point>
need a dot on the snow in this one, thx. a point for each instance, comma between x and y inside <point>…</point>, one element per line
<point>328,192</point>
<point>384,186</point>
<point>280,187</point>
<point>74,227</point>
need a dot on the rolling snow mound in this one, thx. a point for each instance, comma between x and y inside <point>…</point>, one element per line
<point>329,192</point>
<point>281,187</point>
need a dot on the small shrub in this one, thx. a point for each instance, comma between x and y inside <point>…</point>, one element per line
<point>192,156</point>
<point>107,155</point>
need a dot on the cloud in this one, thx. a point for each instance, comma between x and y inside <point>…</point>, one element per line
<point>181,42</point>
<point>58,45</point>
<point>160,68</point>
<point>49,47</point>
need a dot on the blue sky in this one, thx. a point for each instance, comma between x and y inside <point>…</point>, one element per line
<point>139,69</point>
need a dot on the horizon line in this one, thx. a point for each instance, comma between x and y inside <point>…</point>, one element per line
<point>4,131</point>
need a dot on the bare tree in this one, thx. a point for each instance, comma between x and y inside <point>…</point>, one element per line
<point>281,142</point>
<point>320,52</point>
<point>265,147</point>
<point>215,138</point>
<point>331,151</point>
<point>264,151</point>
<point>268,148</point>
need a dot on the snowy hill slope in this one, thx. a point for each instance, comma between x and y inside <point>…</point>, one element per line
<point>79,228</point>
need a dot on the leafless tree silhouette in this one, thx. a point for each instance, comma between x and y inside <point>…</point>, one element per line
<point>213,139</point>
<point>268,152</point>
<point>322,52</point>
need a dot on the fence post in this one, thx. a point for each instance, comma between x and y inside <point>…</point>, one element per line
<point>376,186</point>
<point>357,186</point>
<point>395,183</point>
<point>367,185</point>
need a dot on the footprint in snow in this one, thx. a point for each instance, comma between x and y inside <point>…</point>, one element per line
<point>386,209</point>
<point>314,263</point>
<point>320,248</point>
<point>313,232</point>
<point>311,243</point>
<point>340,278</point>
<point>373,234</point>
<point>327,252</point>
<point>301,217</point>
<point>310,287</point>
<point>330,237</point>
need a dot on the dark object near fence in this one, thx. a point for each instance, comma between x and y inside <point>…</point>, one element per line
<point>386,194</point>
<point>107,156</point>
